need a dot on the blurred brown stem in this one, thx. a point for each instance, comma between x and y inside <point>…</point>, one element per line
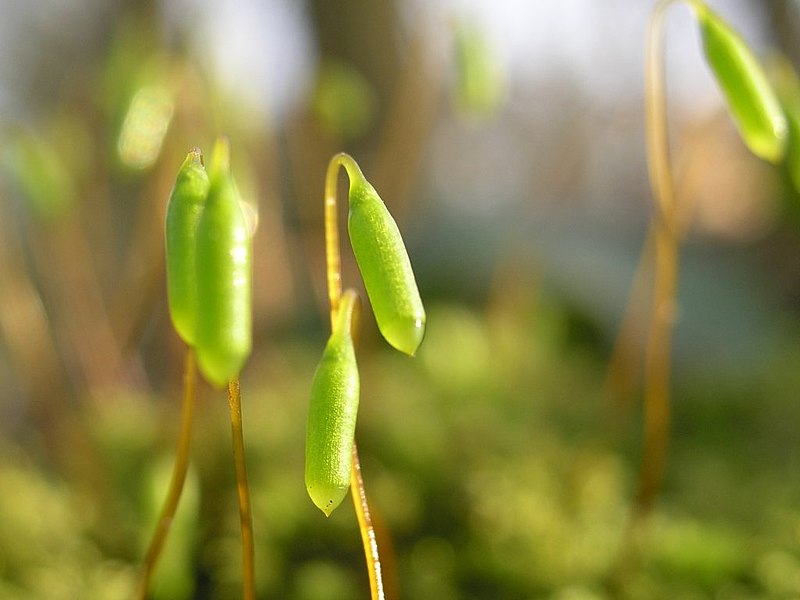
<point>178,475</point>
<point>663,240</point>
<point>659,344</point>
<point>623,372</point>
<point>243,491</point>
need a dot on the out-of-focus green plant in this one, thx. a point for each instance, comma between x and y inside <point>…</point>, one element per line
<point>343,100</point>
<point>788,88</point>
<point>761,122</point>
<point>753,104</point>
<point>183,216</point>
<point>209,277</point>
<point>175,577</point>
<point>46,547</point>
<point>479,84</point>
<point>38,170</point>
<point>145,126</point>
<point>223,276</point>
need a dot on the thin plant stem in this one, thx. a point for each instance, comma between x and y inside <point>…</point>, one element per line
<point>666,232</point>
<point>368,538</point>
<point>657,138</point>
<point>178,474</point>
<point>333,257</point>
<point>657,370</point>
<point>333,263</point>
<point>243,491</point>
<point>662,247</point>
<point>623,372</point>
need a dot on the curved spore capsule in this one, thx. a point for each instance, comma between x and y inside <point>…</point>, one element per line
<point>385,267</point>
<point>751,100</point>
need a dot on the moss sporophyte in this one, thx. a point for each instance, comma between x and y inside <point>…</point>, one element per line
<point>332,463</point>
<point>753,104</point>
<point>392,291</point>
<point>209,282</point>
<point>384,265</point>
<point>184,210</point>
<point>209,266</point>
<point>332,413</point>
<point>762,124</point>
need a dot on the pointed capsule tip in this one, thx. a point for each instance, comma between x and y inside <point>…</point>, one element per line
<point>328,507</point>
<point>405,336</point>
<point>195,157</point>
<point>329,499</point>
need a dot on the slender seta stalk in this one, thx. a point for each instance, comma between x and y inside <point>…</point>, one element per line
<point>333,263</point>
<point>662,247</point>
<point>184,208</point>
<point>368,538</point>
<point>209,279</point>
<point>761,122</point>
<point>242,490</point>
<point>178,475</point>
<point>657,366</point>
<point>224,320</point>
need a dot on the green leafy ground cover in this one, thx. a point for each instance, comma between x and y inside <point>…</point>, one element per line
<point>497,470</point>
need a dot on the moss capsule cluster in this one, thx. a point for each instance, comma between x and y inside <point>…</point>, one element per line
<point>209,266</point>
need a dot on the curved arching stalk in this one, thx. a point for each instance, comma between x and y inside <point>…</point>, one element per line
<point>667,219</point>
<point>666,240</point>
<point>662,248</point>
<point>333,269</point>
<point>762,126</point>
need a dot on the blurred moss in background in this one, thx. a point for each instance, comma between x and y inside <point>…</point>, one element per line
<point>507,139</point>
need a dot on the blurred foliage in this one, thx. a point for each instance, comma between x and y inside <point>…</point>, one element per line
<point>496,465</point>
<point>480,86</point>
<point>343,100</point>
<point>490,462</point>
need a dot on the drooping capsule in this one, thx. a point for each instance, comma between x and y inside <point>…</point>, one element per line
<point>332,413</point>
<point>184,209</point>
<point>384,265</point>
<point>787,86</point>
<point>224,277</point>
<point>751,100</point>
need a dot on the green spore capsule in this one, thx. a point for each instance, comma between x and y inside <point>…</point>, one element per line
<point>224,277</point>
<point>751,100</point>
<point>384,265</point>
<point>332,414</point>
<point>788,89</point>
<point>184,209</point>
